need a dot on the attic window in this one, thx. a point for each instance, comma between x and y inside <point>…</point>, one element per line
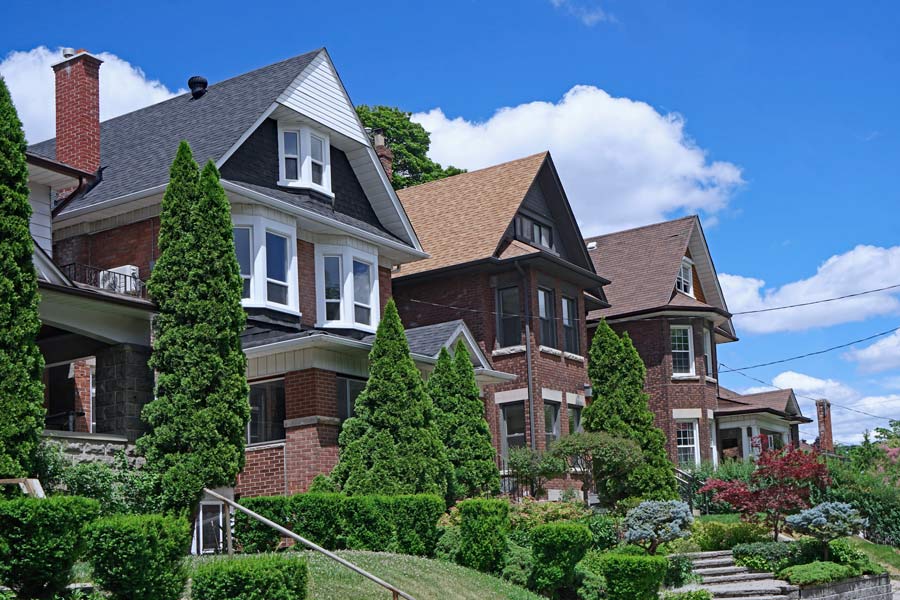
<point>304,159</point>
<point>535,232</point>
<point>685,281</point>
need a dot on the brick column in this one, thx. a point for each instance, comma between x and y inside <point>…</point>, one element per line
<point>124,385</point>
<point>311,426</point>
<point>823,416</point>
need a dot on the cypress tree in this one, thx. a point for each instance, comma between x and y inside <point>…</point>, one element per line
<point>392,444</point>
<point>21,362</point>
<point>620,407</point>
<point>199,417</point>
<point>462,425</point>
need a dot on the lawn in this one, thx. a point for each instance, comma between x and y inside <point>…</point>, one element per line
<point>886,556</point>
<point>723,518</point>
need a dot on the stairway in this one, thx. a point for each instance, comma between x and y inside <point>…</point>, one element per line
<point>724,579</point>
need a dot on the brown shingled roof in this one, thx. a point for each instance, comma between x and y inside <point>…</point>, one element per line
<point>475,210</point>
<point>778,400</point>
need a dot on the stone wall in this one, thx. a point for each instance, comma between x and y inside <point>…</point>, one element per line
<point>91,447</point>
<point>874,587</point>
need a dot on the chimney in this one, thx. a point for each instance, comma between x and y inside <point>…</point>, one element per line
<point>823,416</point>
<point>78,110</point>
<point>384,153</point>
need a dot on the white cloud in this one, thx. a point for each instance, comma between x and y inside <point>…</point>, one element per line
<point>815,387</point>
<point>883,355</point>
<point>862,268</point>
<point>29,76</point>
<point>622,163</point>
<point>588,13</point>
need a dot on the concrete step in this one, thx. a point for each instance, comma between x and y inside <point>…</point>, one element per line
<point>702,555</point>
<point>736,577</point>
<point>719,561</point>
<point>721,571</point>
<point>750,589</point>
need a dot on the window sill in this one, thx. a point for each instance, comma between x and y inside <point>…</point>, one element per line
<point>573,356</point>
<point>264,445</point>
<point>685,378</point>
<point>711,379</point>
<point>344,325</point>
<point>506,351</point>
<point>301,185</point>
<point>313,420</point>
<point>271,306</point>
<point>549,350</point>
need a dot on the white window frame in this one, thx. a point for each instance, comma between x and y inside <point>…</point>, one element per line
<point>250,276</point>
<point>556,433</point>
<point>348,301</point>
<point>685,281</point>
<point>504,433</point>
<point>258,272</point>
<point>695,423</point>
<point>707,352</point>
<point>197,545</point>
<point>690,337</point>
<point>305,134</point>
<point>713,443</point>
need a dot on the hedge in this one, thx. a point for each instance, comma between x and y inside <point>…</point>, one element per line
<point>632,577</point>
<point>556,548</point>
<point>40,540</point>
<point>368,523</point>
<point>251,535</point>
<point>415,520</point>
<point>712,535</point>
<point>265,577</point>
<point>139,557</point>
<point>592,585</point>
<point>691,595</point>
<point>314,516</point>
<point>483,527</point>
<point>816,572</point>
<point>766,556</point>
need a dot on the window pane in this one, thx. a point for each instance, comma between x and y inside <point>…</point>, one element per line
<point>275,292</point>
<point>362,315</point>
<point>348,391</point>
<point>514,416</point>
<point>681,350</point>
<point>332,277</point>
<point>686,442</point>
<point>317,171</point>
<point>547,314</point>
<point>266,412</point>
<point>510,328</point>
<point>291,170</point>
<point>291,144</point>
<point>318,148</point>
<point>242,248</point>
<point>333,311</point>
<point>574,419</point>
<point>551,421</point>
<point>362,282</point>
<point>276,257</point>
<point>246,291</point>
<point>211,527</point>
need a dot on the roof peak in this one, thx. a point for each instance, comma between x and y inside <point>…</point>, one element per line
<point>458,176</point>
<point>639,227</point>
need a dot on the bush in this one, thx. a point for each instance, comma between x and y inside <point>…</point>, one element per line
<point>448,544</point>
<point>713,535</point>
<point>679,571</point>
<point>483,528</point>
<point>317,517</point>
<point>322,484</point>
<point>119,488</point>
<point>680,546</point>
<point>827,521</point>
<point>41,540</point>
<point>631,577</point>
<point>692,595</point>
<point>653,523</point>
<point>591,584</point>
<point>367,523</point>
<point>251,535</point>
<point>518,564</point>
<point>139,557</point>
<point>556,549</point>
<point>878,502</point>
<point>533,469</point>
<point>267,577</point>
<point>816,573</point>
<point>528,514</point>
<point>767,556</point>
<point>604,531</point>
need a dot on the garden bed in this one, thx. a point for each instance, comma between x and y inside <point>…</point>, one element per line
<point>867,587</point>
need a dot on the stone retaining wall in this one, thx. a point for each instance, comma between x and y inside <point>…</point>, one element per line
<point>91,447</point>
<point>870,587</point>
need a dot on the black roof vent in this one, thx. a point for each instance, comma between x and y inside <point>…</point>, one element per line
<point>198,86</point>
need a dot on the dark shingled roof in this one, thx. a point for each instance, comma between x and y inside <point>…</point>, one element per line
<point>781,401</point>
<point>428,339</point>
<point>137,149</point>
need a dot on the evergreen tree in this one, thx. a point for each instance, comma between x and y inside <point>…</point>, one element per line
<point>21,362</point>
<point>462,426</point>
<point>392,445</point>
<point>620,407</point>
<point>199,417</point>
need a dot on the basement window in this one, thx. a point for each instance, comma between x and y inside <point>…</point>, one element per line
<point>304,158</point>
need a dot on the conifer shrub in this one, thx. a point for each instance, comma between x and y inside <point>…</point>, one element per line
<point>518,565</point>
<point>449,543</point>
<point>483,527</point>
<point>415,521</point>
<point>632,577</point>
<point>556,549</point>
<point>251,535</point>
<point>653,523</point>
<point>319,518</point>
<point>368,523</point>
<point>816,573</point>
<point>591,583</point>
<point>42,538</point>
<point>139,557</point>
<point>264,577</point>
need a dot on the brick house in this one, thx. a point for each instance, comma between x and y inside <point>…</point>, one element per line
<point>508,259</point>
<point>665,294</point>
<point>317,229</point>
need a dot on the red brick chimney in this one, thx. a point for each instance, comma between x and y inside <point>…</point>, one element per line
<point>78,110</point>
<point>823,416</point>
<point>384,153</point>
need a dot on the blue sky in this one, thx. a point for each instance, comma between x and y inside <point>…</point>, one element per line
<point>775,121</point>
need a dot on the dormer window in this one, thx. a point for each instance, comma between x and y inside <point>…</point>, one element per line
<point>534,232</point>
<point>685,281</point>
<point>304,158</point>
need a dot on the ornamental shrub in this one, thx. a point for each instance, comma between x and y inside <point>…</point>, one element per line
<point>767,556</point>
<point>41,540</point>
<point>265,577</point>
<point>368,523</point>
<point>532,469</point>
<point>589,575</point>
<point>318,518</point>
<point>679,572</point>
<point>816,573</point>
<point>518,564</point>
<point>251,535</point>
<point>827,521</point>
<point>322,484</point>
<point>483,527</point>
<point>556,549</point>
<point>449,543</point>
<point>713,535</point>
<point>415,521</point>
<point>139,557</point>
<point>630,577</point>
<point>524,516</point>
<point>604,531</point>
<point>877,502</point>
<point>655,522</point>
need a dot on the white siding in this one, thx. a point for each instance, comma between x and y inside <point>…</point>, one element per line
<point>355,364</point>
<point>39,197</point>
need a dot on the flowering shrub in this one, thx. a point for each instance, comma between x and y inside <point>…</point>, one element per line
<point>655,522</point>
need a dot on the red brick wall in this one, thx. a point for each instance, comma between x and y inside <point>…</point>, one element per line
<point>311,448</point>
<point>263,473</point>
<point>306,273</point>
<point>82,372</point>
<point>78,112</point>
<point>384,286</point>
<point>309,393</point>
<point>133,244</point>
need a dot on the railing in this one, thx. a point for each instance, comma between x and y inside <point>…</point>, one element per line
<point>397,594</point>
<point>105,279</point>
<point>687,486</point>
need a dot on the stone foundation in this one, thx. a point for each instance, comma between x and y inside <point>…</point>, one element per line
<point>871,587</point>
<point>91,447</point>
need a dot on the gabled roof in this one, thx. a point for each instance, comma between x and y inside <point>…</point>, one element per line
<point>780,401</point>
<point>643,264</point>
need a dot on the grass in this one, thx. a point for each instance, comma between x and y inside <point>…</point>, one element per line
<point>887,556</point>
<point>724,518</point>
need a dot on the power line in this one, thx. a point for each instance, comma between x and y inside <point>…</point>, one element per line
<point>822,301</point>
<point>816,353</point>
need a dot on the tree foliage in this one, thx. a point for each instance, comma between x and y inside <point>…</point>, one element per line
<point>21,362</point>
<point>652,523</point>
<point>827,521</point>
<point>409,142</point>
<point>462,426</point>
<point>533,468</point>
<point>598,457</point>
<point>620,407</point>
<point>392,445</point>
<point>199,417</point>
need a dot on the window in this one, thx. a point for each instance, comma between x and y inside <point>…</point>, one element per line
<point>551,421</point>
<point>509,329</point>
<point>682,350</point>
<point>243,246</point>
<point>266,412</point>
<point>348,390</point>
<point>570,325</point>
<point>512,426</point>
<point>347,288</point>
<point>276,268</point>
<point>713,451</point>
<point>209,528</point>
<point>685,281</point>
<point>535,232</point>
<point>291,155</point>
<point>333,281</point>
<point>362,292</point>
<point>547,314</point>
<point>317,158</point>
<point>305,157</point>
<point>574,419</point>
<point>686,441</point>
<point>707,351</point>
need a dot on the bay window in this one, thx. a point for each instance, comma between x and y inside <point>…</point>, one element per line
<point>362,292</point>
<point>266,254</point>
<point>682,350</point>
<point>347,284</point>
<point>276,268</point>
<point>304,157</point>
<point>333,279</point>
<point>243,246</point>
<point>707,351</point>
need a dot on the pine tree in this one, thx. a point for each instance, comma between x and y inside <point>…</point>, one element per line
<point>21,362</point>
<point>392,445</point>
<point>620,407</point>
<point>462,425</point>
<point>199,417</point>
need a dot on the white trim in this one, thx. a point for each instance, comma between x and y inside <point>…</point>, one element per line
<point>696,433</point>
<point>348,255</point>
<point>690,350</point>
<point>549,350</point>
<point>681,281</point>
<point>305,133</point>
<point>508,350</point>
<point>575,357</point>
<point>574,399</point>
<point>551,395</point>
<point>686,413</point>
<point>259,226</point>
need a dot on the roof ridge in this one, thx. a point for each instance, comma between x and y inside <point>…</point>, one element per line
<point>639,227</point>
<point>497,166</point>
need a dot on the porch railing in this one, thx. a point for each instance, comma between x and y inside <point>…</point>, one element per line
<point>106,279</point>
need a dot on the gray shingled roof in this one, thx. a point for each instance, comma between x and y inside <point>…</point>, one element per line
<point>137,149</point>
<point>428,339</point>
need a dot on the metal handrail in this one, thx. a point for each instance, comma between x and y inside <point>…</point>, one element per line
<point>397,593</point>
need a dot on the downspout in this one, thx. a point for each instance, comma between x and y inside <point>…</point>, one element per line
<point>528,368</point>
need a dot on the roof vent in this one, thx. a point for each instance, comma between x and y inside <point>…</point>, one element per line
<point>68,52</point>
<point>198,86</point>
<point>592,246</point>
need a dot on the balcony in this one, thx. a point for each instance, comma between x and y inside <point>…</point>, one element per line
<point>121,280</point>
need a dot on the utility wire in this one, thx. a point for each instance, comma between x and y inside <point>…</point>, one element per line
<point>822,301</point>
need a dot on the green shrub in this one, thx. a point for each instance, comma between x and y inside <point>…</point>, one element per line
<point>483,528</point>
<point>816,573</point>
<point>267,577</point>
<point>323,484</point>
<point>528,514</point>
<point>415,519</point>
<point>368,523</point>
<point>714,535</point>
<point>843,553</point>
<point>604,531</point>
<point>318,518</point>
<point>448,544</point>
<point>251,535</point>
<point>630,577</point>
<point>680,546</point>
<point>591,584</point>
<point>679,571</point>
<point>518,564</point>
<point>767,556</point>
<point>691,595</point>
<point>139,557</point>
<point>875,499</point>
<point>556,549</point>
<point>41,540</point>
